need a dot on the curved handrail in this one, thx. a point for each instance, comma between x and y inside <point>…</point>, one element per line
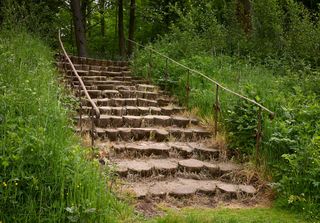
<point>272,114</point>
<point>94,106</point>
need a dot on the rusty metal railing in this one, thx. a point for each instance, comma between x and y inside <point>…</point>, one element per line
<point>216,93</point>
<point>94,112</point>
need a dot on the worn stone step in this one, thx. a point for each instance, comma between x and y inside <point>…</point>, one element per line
<point>139,94</point>
<point>96,62</point>
<point>142,121</point>
<point>165,149</point>
<point>187,187</point>
<point>135,110</point>
<point>149,167</point>
<point>152,133</point>
<point>108,82</point>
<point>76,87</point>
<point>141,102</point>
<point>92,93</point>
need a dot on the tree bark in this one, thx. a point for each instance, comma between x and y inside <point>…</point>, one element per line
<point>102,22</point>
<point>83,8</point>
<point>79,28</point>
<point>131,26</point>
<point>120,29</point>
<point>244,15</point>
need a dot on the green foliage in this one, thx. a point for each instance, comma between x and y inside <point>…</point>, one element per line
<point>44,173</point>
<point>241,124</point>
<point>38,17</point>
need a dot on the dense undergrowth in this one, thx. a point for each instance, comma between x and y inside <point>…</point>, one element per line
<point>277,65</point>
<point>45,175</point>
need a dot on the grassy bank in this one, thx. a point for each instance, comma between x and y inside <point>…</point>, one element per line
<point>44,173</point>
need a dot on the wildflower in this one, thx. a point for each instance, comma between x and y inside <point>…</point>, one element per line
<point>4,184</point>
<point>16,183</point>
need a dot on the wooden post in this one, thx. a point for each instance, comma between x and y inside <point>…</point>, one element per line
<point>188,88</point>
<point>258,134</point>
<point>216,111</point>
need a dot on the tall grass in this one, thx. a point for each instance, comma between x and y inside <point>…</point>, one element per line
<point>45,175</point>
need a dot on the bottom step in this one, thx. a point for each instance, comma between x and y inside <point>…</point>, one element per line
<point>187,187</point>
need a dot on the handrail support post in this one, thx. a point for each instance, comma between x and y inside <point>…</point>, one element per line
<point>216,111</point>
<point>92,127</point>
<point>80,111</point>
<point>258,134</point>
<point>188,88</point>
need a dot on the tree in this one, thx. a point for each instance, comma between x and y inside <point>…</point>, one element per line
<point>101,11</point>
<point>79,28</point>
<point>120,29</point>
<point>131,26</point>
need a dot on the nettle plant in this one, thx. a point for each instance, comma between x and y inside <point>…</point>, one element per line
<point>241,124</point>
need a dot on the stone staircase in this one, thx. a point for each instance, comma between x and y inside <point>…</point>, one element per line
<point>154,145</point>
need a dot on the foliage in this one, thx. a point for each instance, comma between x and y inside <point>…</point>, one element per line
<point>44,173</point>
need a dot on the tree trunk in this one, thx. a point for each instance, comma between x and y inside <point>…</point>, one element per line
<point>79,28</point>
<point>102,22</point>
<point>83,8</point>
<point>244,15</point>
<point>120,29</point>
<point>131,26</point>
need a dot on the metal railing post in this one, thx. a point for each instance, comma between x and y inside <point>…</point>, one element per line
<point>92,127</point>
<point>80,112</point>
<point>258,134</point>
<point>216,111</point>
<point>166,71</point>
<point>150,64</point>
<point>188,89</point>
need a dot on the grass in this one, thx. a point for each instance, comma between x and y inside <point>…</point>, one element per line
<point>45,175</point>
<point>223,215</point>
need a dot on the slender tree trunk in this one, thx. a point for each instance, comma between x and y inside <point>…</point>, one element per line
<point>244,15</point>
<point>102,22</point>
<point>79,28</point>
<point>83,8</point>
<point>120,29</point>
<point>131,26</point>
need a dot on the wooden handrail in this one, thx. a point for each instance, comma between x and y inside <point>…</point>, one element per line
<point>94,106</point>
<point>271,114</point>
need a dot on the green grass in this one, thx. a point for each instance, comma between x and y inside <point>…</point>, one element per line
<point>221,215</point>
<point>45,175</point>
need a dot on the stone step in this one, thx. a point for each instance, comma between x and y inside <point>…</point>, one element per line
<point>165,149</point>
<point>76,87</point>
<point>135,110</point>
<point>117,102</point>
<point>108,81</point>
<point>87,67</point>
<point>187,187</point>
<point>122,94</point>
<point>141,121</point>
<point>152,133</point>
<point>104,73</point>
<point>173,167</point>
<point>96,62</point>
